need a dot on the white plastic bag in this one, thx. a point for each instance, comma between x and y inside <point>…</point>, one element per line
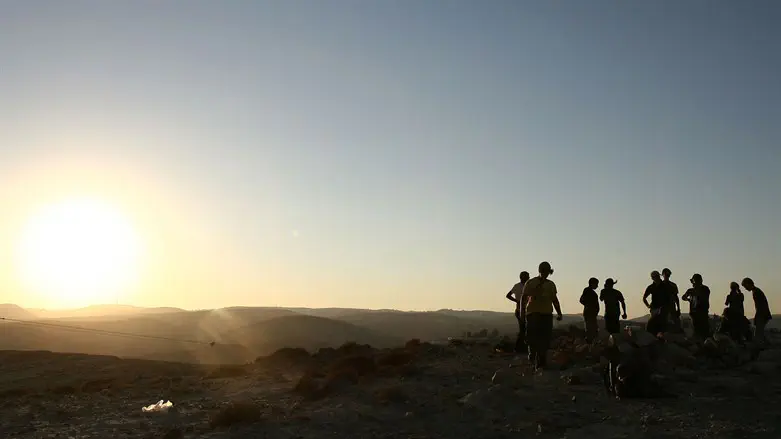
<point>160,407</point>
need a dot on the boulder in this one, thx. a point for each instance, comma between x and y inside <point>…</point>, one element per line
<point>507,376</point>
<point>643,338</point>
<point>677,356</point>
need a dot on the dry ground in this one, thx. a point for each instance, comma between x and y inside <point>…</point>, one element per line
<point>421,391</point>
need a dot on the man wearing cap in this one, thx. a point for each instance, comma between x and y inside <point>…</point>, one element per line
<point>590,302</point>
<point>762,314</point>
<point>659,306</point>
<point>675,303</point>
<point>541,297</point>
<point>612,298</point>
<point>520,311</point>
<point>698,297</point>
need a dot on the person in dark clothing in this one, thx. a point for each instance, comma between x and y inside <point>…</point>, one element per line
<point>514,295</point>
<point>734,314</point>
<point>590,303</point>
<point>762,315</point>
<point>698,297</point>
<point>614,301</point>
<point>659,306</point>
<point>540,296</point>
<point>675,303</point>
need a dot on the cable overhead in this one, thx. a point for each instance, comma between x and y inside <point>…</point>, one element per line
<point>104,331</point>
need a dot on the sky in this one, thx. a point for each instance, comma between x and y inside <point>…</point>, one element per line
<point>409,155</point>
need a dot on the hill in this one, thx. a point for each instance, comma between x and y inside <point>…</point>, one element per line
<point>11,311</point>
<point>308,332</point>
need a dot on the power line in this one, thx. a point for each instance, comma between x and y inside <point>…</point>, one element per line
<point>104,331</point>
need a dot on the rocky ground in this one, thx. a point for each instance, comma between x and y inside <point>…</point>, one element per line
<point>460,390</point>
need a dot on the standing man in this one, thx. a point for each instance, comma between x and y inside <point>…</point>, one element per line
<point>675,303</point>
<point>590,303</point>
<point>520,311</point>
<point>541,297</point>
<point>762,314</point>
<point>659,306</point>
<point>698,297</point>
<point>612,298</point>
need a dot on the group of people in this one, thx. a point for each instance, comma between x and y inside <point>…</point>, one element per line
<point>536,298</point>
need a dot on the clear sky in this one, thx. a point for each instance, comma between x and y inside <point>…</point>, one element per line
<point>406,154</point>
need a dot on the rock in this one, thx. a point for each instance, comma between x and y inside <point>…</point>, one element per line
<point>561,359</point>
<point>678,356</point>
<point>763,368</point>
<point>506,376</point>
<point>643,338</point>
<point>679,339</point>
<point>571,379</point>
<point>174,434</point>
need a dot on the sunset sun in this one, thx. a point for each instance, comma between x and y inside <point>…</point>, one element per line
<point>78,252</point>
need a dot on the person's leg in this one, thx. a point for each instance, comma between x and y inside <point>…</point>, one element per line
<point>546,333</point>
<point>532,332</point>
<point>760,324</point>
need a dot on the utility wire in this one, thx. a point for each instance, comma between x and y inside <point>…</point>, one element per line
<point>103,331</point>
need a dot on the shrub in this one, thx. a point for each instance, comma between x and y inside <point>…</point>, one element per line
<point>236,413</point>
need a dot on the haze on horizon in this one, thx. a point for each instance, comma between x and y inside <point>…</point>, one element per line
<point>407,155</point>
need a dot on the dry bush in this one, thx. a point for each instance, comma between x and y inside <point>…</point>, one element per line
<point>395,358</point>
<point>236,413</point>
<point>361,365</point>
<point>392,394</point>
<point>286,356</point>
<point>307,386</point>
<point>95,386</point>
<point>228,371</point>
<point>413,344</point>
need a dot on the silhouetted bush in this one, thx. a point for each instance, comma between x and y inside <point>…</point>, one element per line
<point>236,413</point>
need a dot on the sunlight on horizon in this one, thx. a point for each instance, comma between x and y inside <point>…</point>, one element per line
<point>78,251</point>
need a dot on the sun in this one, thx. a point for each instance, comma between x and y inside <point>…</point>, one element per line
<point>78,252</point>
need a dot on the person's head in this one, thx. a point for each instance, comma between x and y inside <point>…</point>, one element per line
<point>733,286</point>
<point>609,282</point>
<point>666,273</point>
<point>696,279</point>
<point>524,276</point>
<point>593,283</point>
<point>655,276</point>
<point>748,284</point>
<point>545,269</point>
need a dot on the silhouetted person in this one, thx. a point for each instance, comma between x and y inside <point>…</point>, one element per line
<point>541,297</point>
<point>675,303</point>
<point>762,315</point>
<point>515,296</point>
<point>698,297</point>
<point>734,313</point>
<point>590,302</point>
<point>614,301</point>
<point>659,306</point>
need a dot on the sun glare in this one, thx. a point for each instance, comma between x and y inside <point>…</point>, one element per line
<point>78,252</point>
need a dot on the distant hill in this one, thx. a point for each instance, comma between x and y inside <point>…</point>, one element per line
<point>309,332</point>
<point>11,311</point>
<point>104,311</point>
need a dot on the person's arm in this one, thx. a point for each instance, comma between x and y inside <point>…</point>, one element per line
<point>623,304</point>
<point>556,304</point>
<point>645,297</point>
<point>511,296</point>
<point>583,298</point>
<point>676,300</point>
<point>726,302</point>
<point>687,295</point>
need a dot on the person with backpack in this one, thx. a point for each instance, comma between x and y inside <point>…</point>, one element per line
<point>590,303</point>
<point>698,297</point>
